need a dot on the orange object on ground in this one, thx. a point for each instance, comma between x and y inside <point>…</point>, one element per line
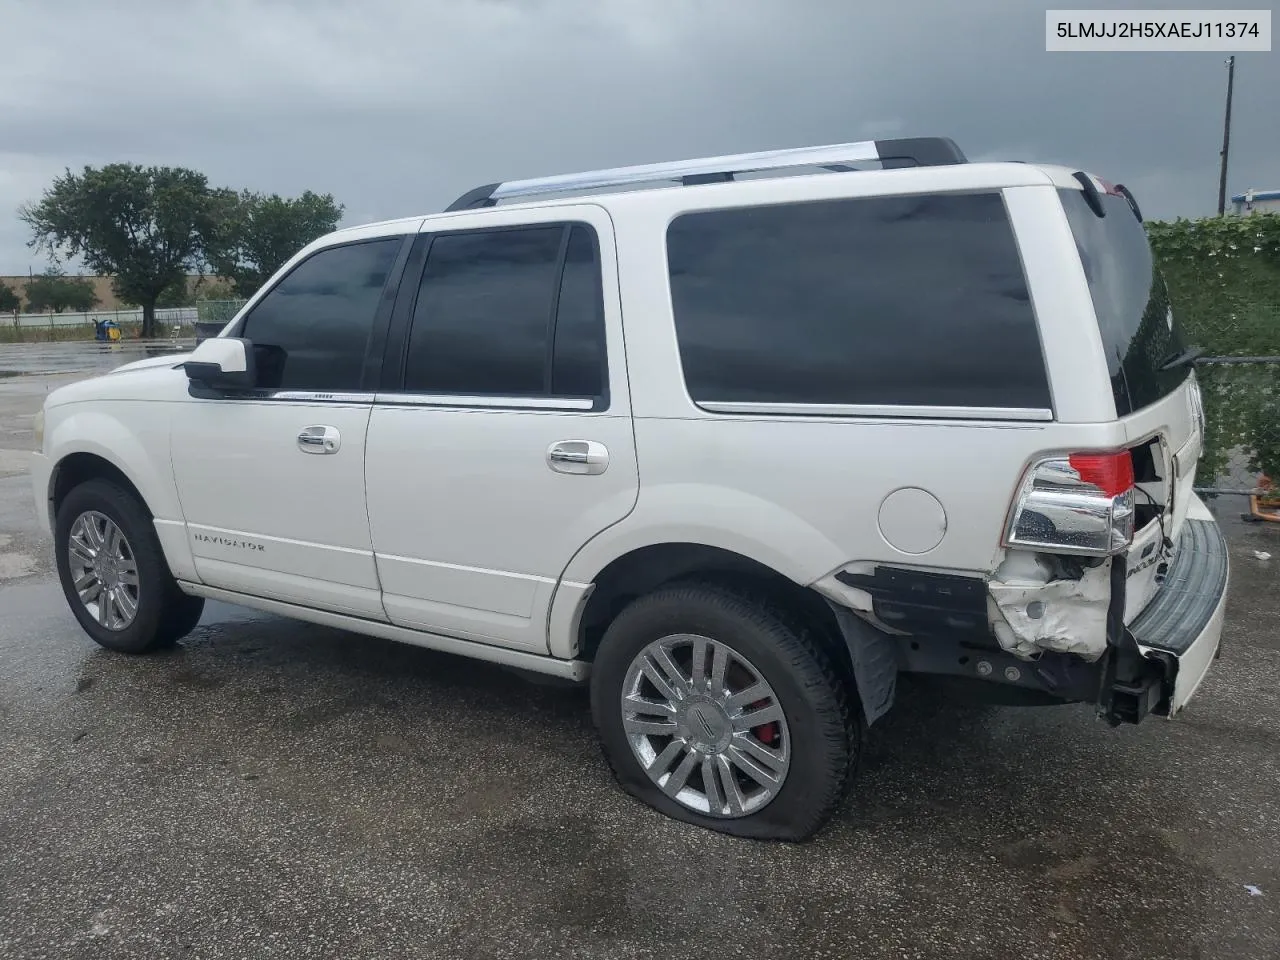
<point>1265,505</point>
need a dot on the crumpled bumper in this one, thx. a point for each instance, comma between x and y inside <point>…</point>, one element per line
<point>1182,625</point>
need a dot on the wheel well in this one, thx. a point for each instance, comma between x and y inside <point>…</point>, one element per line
<point>643,571</point>
<point>76,468</point>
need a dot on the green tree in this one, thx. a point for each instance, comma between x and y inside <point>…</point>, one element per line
<point>257,234</point>
<point>10,302</point>
<point>145,226</point>
<point>192,290</point>
<point>214,288</point>
<point>178,294</point>
<point>53,292</point>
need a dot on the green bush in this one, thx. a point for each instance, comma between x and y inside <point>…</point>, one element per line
<point>1223,275</point>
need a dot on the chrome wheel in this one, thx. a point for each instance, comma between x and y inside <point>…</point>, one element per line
<point>706,726</point>
<point>103,570</point>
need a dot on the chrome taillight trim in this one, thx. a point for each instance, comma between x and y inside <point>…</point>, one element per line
<point>1054,511</point>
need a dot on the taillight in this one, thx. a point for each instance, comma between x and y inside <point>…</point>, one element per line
<point>1079,503</point>
<point>1112,473</point>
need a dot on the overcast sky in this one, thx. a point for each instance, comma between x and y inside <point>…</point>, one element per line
<point>397,106</point>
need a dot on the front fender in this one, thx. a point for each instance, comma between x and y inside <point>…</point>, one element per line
<point>132,437</point>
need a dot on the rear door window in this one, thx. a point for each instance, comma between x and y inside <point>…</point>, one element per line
<point>884,301</point>
<point>1138,330</point>
<point>515,312</point>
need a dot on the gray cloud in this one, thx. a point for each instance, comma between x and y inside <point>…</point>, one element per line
<point>396,108</point>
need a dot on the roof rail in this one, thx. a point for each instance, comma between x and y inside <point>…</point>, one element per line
<point>916,151</point>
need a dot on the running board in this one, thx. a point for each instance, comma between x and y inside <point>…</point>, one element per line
<point>577,670</point>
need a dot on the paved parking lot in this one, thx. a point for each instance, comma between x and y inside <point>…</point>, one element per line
<point>271,789</point>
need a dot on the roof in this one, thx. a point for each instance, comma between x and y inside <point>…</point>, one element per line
<point>1258,195</point>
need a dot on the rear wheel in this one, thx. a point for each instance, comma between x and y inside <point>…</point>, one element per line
<point>114,574</point>
<point>721,712</point>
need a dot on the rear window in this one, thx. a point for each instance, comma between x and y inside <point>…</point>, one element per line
<point>1138,331</point>
<point>916,301</point>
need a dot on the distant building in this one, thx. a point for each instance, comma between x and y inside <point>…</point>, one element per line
<point>1256,201</point>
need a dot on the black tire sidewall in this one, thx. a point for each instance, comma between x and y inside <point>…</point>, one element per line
<point>155,582</point>
<point>817,714</point>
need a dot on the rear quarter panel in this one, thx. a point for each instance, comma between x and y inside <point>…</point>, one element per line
<point>804,494</point>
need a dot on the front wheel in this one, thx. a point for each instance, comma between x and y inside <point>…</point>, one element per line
<point>114,574</point>
<point>719,711</point>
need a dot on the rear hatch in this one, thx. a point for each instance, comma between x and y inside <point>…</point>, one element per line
<point>1152,376</point>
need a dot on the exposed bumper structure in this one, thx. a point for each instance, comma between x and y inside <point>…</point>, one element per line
<point>1077,650</point>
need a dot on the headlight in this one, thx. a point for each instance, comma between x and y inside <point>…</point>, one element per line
<point>37,425</point>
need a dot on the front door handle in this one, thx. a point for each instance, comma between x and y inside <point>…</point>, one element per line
<point>578,456</point>
<point>319,439</point>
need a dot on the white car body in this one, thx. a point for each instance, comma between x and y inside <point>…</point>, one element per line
<point>440,520</point>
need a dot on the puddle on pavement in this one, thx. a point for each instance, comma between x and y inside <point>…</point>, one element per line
<point>81,356</point>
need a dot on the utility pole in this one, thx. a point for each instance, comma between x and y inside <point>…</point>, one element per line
<point>1226,138</point>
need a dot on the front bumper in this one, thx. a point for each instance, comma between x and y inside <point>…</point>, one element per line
<point>41,468</point>
<point>1181,627</point>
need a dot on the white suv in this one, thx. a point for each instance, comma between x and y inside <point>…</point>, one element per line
<point>740,450</point>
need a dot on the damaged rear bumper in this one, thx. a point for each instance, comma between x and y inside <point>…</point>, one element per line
<point>1181,628</point>
<point>939,624</point>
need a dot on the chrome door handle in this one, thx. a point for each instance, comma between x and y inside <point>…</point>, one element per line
<point>578,456</point>
<point>319,439</point>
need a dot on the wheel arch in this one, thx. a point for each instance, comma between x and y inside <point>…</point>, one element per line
<point>76,468</point>
<point>644,569</point>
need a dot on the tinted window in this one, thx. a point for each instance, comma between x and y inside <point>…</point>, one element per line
<point>907,300</point>
<point>578,368</point>
<point>1138,331</point>
<point>491,306</point>
<point>310,332</point>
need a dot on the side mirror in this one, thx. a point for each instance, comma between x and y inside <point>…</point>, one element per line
<point>224,363</point>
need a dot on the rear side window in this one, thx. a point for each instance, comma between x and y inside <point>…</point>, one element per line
<point>311,331</point>
<point>1138,331</point>
<point>915,301</point>
<point>510,313</point>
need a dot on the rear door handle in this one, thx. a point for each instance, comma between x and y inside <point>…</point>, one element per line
<point>319,439</point>
<point>578,456</point>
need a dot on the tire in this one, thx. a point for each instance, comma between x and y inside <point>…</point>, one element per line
<point>161,613</point>
<point>815,744</point>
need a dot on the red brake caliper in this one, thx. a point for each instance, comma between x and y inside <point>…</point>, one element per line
<point>766,733</point>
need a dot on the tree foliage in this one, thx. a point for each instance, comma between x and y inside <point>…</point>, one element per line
<point>191,291</point>
<point>257,234</point>
<point>1223,275</point>
<point>10,302</point>
<point>150,227</point>
<point>54,292</point>
<point>145,226</point>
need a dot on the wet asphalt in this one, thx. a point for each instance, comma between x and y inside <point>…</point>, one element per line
<point>273,789</point>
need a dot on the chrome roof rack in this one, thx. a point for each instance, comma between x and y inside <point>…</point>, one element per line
<point>912,152</point>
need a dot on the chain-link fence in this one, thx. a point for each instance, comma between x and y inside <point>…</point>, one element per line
<point>217,311</point>
<point>1242,424</point>
<point>169,316</point>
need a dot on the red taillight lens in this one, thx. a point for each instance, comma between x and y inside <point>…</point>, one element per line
<point>1112,473</point>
